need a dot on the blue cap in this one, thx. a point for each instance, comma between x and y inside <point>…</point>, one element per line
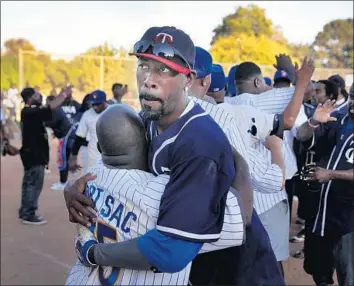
<point>179,41</point>
<point>97,97</point>
<point>218,80</point>
<point>231,87</point>
<point>268,81</point>
<point>281,74</point>
<point>203,62</point>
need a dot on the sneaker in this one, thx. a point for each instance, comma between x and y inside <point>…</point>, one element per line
<point>58,186</point>
<point>35,220</point>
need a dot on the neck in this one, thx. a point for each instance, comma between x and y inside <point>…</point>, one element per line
<point>118,98</point>
<point>122,162</point>
<point>169,119</point>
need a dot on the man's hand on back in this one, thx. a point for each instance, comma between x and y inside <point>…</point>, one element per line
<point>77,203</point>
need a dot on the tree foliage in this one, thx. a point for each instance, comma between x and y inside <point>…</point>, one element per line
<point>335,42</point>
<point>83,71</point>
<point>235,49</point>
<point>248,35</point>
<point>250,20</point>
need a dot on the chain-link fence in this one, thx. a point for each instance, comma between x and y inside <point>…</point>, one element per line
<point>89,72</point>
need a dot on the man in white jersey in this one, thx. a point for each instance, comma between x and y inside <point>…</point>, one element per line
<point>273,208</point>
<point>87,131</point>
<point>128,199</point>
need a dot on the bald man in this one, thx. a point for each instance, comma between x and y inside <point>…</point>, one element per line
<point>128,198</point>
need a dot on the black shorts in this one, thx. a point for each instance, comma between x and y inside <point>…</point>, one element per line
<point>251,264</point>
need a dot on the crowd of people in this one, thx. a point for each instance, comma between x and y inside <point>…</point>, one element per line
<point>198,187</point>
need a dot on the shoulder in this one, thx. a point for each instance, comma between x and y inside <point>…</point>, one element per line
<point>202,137</point>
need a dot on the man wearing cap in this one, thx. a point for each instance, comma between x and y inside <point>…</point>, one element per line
<point>231,87</point>
<point>87,131</point>
<point>218,84</point>
<point>202,67</point>
<point>34,151</point>
<point>281,79</point>
<point>200,164</point>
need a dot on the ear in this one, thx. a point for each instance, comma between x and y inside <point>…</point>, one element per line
<point>257,82</point>
<point>207,81</point>
<point>190,79</point>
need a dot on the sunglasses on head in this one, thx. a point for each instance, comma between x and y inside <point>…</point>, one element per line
<point>163,50</point>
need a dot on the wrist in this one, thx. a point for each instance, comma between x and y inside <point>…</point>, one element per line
<point>313,122</point>
<point>331,175</point>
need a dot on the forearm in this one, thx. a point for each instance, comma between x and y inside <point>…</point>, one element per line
<point>292,110</point>
<point>151,250</point>
<point>124,254</point>
<point>79,141</point>
<point>278,159</point>
<point>347,175</point>
<point>56,102</point>
<point>242,183</point>
<point>304,132</point>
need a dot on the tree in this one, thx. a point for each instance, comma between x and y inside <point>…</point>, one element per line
<point>250,20</point>
<point>335,43</point>
<point>248,35</point>
<point>235,49</point>
<point>12,46</point>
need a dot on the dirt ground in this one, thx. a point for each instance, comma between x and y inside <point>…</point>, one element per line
<point>38,255</point>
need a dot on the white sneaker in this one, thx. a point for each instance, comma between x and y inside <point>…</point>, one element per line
<point>58,186</point>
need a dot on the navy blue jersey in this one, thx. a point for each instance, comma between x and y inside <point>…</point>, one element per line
<point>334,145</point>
<point>196,154</point>
<point>59,123</point>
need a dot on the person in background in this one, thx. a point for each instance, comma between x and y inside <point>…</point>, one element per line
<point>218,84</point>
<point>85,105</point>
<point>118,90</point>
<point>281,79</point>
<point>203,66</point>
<point>70,106</point>
<point>6,147</point>
<point>11,102</point>
<point>34,151</point>
<point>87,131</point>
<point>268,81</point>
<point>252,90</point>
<point>342,100</point>
<point>329,239</point>
<point>324,90</point>
<point>60,125</point>
<point>231,87</point>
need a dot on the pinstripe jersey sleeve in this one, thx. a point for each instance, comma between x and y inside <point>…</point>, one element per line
<point>266,177</point>
<point>272,101</point>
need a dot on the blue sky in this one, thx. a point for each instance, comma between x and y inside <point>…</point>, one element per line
<point>70,27</point>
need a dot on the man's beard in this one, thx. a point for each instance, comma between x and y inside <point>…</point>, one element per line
<point>150,114</point>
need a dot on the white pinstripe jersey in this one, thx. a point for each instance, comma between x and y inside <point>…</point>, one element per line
<point>266,177</point>
<point>128,205</point>
<point>272,101</point>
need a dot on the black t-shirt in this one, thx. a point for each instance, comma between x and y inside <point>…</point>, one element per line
<point>71,108</point>
<point>35,147</point>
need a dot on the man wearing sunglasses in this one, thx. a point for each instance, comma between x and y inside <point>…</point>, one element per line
<point>185,143</point>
